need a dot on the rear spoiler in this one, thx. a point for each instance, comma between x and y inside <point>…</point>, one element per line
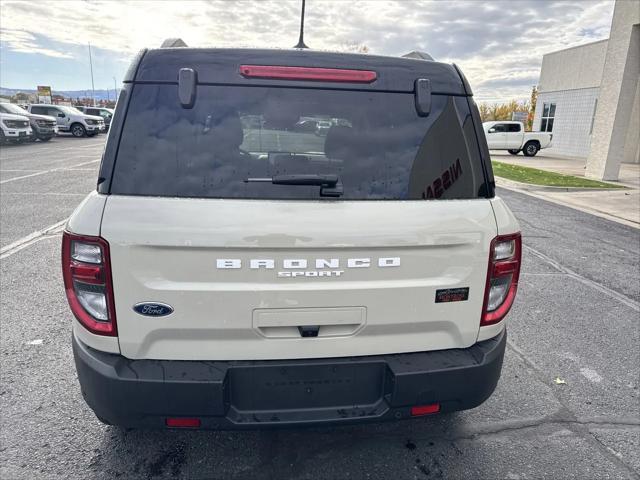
<point>220,66</point>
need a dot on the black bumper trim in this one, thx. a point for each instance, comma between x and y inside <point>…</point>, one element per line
<point>251,394</point>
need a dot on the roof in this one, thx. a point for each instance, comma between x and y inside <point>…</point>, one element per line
<point>221,66</point>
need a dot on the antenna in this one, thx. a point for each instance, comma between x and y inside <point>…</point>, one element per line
<point>301,39</point>
<point>93,90</point>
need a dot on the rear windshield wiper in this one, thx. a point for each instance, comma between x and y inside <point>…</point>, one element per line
<point>330,185</point>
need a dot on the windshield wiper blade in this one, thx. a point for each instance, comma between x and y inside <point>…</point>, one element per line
<point>330,185</point>
<point>299,179</point>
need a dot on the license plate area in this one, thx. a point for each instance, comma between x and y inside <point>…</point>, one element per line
<point>311,386</point>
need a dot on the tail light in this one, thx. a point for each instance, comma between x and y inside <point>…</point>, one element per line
<point>86,269</point>
<point>502,277</point>
<point>308,73</point>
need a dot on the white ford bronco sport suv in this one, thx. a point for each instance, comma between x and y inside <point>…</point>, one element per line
<point>233,271</point>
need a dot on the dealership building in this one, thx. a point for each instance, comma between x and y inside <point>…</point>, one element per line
<point>589,97</point>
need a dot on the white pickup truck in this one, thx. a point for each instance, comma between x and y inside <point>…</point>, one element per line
<point>511,136</point>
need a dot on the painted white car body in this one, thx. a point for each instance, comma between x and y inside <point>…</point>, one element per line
<point>223,313</point>
<point>67,117</point>
<point>507,135</point>
<point>15,127</point>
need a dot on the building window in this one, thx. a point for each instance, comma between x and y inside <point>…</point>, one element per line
<point>593,117</point>
<point>548,114</point>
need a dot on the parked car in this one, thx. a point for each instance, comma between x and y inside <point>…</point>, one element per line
<point>105,113</point>
<point>322,127</point>
<point>306,125</point>
<point>366,278</point>
<point>511,136</point>
<point>43,127</point>
<point>14,128</point>
<point>71,120</point>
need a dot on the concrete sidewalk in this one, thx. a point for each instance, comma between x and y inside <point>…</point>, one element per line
<point>619,205</point>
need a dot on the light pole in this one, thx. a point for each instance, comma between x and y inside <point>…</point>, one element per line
<point>115,88</point>
<point>93,90</point>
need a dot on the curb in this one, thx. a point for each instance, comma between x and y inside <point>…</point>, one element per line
<point>514,186</point>
<point>551,188</point>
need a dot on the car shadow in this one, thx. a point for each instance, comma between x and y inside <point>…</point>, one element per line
<point>354,451</point>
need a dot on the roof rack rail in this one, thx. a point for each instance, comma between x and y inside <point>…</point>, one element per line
<point>173,43</point>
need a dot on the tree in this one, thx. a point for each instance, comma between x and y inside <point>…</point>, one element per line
<point>501,111</point>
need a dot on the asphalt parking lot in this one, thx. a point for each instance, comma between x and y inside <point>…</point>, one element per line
<point>577,319</point>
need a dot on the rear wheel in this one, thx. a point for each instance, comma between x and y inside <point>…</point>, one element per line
<point>530,149</point>
<point>514,152</point>
<point>78,130</point>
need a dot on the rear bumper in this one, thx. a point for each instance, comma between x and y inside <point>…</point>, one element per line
<point>257,394</point>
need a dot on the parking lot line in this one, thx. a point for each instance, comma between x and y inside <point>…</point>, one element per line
<point>48,171</point>
<point>60,194</point>
<point>629,302</point>
<point>32,238</point>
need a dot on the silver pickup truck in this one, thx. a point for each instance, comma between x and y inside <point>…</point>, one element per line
<point>511,136</point>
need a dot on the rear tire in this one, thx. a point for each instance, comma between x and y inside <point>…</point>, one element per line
<point>514,152</point>
<point>78,130</point>
<point>530,149</point>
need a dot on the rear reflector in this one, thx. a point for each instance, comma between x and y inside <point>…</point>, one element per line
<point>178,422</point>
<point>308,73</point>
<point>425,409</point>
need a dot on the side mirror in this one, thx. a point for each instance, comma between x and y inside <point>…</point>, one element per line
<point>492,130</point>
<point>61,115</point>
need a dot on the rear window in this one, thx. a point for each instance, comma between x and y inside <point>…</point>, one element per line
<point>374,142</point>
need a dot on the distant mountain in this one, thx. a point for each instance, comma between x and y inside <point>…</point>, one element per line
<point>100,94</point>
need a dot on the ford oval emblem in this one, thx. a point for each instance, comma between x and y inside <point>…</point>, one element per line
<point>153,309</point>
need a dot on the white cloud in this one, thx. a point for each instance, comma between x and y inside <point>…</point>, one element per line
<point>499,44</point>
<point>24,42</point>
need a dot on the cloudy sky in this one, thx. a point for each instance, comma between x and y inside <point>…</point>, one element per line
<point>499,44</point>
